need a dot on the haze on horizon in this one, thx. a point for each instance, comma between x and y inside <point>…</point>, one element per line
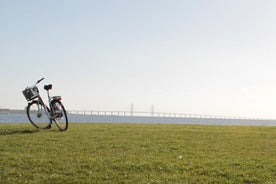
<point>200,57</point>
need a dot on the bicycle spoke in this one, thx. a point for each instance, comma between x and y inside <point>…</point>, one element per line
<point>37,115</point>
<point>60,116</point>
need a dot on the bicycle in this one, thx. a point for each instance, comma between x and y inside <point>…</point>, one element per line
<point>39,114</point>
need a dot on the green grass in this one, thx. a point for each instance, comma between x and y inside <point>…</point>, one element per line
<point>137,153</point>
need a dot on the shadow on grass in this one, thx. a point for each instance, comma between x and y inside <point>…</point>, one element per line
<point>18,131</point>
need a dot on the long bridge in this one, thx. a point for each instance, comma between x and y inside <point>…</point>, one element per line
<point>154,114</point>
<point>163,118</point>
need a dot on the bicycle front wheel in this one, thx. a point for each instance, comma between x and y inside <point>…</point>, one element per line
<point>60,116</point>
<point>37,115</point>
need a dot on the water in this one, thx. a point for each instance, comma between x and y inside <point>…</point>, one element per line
<point>22,118</point>
<point>13,118</point>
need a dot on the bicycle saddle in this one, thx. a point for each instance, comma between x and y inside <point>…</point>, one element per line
<point>48,87</point>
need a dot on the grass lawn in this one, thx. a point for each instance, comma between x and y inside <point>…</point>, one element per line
<point>137,153</point>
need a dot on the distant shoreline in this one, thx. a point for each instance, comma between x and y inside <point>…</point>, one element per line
<point>12,111</point>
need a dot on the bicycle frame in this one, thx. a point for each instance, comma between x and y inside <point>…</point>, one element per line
<point>45,107</point>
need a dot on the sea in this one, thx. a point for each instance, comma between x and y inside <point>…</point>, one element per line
<point>77,118</point>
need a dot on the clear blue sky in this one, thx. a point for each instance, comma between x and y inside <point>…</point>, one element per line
<point>201,56</point>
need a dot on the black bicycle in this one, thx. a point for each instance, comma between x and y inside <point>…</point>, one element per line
<point>39,114</point>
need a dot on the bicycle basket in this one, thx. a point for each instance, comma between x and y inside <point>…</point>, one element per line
<point>30,93</point>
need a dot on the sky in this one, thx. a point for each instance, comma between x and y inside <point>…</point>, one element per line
<point>212,57</point>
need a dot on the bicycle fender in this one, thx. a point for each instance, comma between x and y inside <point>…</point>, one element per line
<point>36,101</point>
<point>56,98</point>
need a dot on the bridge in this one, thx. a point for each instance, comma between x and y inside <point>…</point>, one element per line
<point>155,114</point>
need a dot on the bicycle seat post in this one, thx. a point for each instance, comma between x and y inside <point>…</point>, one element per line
<point>47,88</point>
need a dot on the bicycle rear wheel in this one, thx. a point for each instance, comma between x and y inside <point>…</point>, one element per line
<point>60,116</point>
<point>37,115</point>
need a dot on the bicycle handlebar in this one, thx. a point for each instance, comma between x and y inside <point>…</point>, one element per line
<point>40,80</point>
